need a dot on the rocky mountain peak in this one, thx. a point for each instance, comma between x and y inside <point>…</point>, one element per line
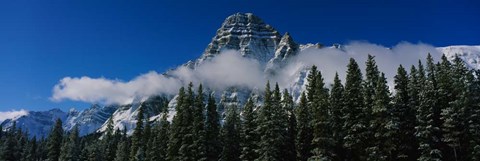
<point>247,34</point>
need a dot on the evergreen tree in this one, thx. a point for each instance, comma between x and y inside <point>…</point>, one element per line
<point>287,105</point>
<point>403,116</point>
<point>187,149</point>
<point>123,150</point>
<point>55,141</point>
<point>138,134</point>
<point>31,150</point>
<point>109,142</point>
<point>231,135</point>
<point>473,119</point>
<point>9,145</point>
<point>381,145</point>
<point>212,130</point>
<point>70,149</point>
<point>355,124</point>
<point>199,148</point>
<point>304,130</point>
<point>427,129</point>
<point>336,121</point>
<point>160,142</point>
<point>322,134</point>
<point>176,131</point>
<point>249,137</point>
<point>271,129</point>
<point>453,115</point>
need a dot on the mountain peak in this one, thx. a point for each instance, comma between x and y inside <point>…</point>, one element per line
<point>247,34</point>
<point>242,18</point>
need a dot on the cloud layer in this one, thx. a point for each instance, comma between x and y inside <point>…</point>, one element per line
<point>12,114</point>
<point>231,69</point>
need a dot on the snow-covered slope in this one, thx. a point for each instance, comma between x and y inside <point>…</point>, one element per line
<point>245,32</point>
<point>469,54</point>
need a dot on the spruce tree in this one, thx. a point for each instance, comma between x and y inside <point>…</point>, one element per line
<point>231,135</point>
<point>403,116</point>
<point>109,142</point>
<point>176,131</point>
<point>453,115</point>
<point>212,130</point>
<point>138,134</point>
<point>322,134</point>
<point>288,106</point>
<point>70,149</point>
<point>304,130</point>
<point>123,150</point>
<point>249,137</point>
<point>55,141</point>
<point>271,127</point>
<point>381,144</point>
<point>199,126</point>
<point>427,129</point>
<point>473,119</point>
<point>355,124</point>
<point>187,149</point>
<point>336,120</point>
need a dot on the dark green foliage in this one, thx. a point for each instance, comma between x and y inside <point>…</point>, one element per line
<point>138,135</point>
<point>355,124</point>
<point>403,116</point>
<point>323,143</point>
<point>71,148</point>
<point>55,141</point>
<point>212,130</point>
<point>304,130</point>
<point>336,118</point>
<point>176,131</point>
<point>231,135</point>
<point>249,136</point>
<point>289,151</point>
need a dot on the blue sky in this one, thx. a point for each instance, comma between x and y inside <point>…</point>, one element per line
<point>42,42</point>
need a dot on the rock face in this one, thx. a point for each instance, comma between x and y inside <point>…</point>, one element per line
<point>246,33</point>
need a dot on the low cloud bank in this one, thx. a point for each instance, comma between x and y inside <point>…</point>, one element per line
<point>12,114</point>
<point>231,69</point>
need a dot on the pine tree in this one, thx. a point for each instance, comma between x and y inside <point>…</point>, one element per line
<point>123,150</point>
<point>10,145</point>
<point>109,142</point>
<point>138,134</point>
<point>336,120</point>
<point>187,149</point>
<point>161,139</point>
<point>473,119</point>
<point>355,124</point>
<point>453,114</point>
<point>403,116</point>
<point>427,129</point>
<point>31,150</point>
<point>322,134</point>
<point>231,135</point>
<point>55,141</point>
<point>381,145</point>
<point>176,131</point>
<point>304,130</point>
<point>287,105</point>
<point>212,130</point>
<point>271,127</point>
<point>70,149</point>
<point>249,137</point>
<point>199,148</point>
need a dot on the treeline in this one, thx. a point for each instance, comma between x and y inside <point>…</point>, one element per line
<point>432,115</point>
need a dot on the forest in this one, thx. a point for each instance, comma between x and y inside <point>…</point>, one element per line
<point>432,114</point>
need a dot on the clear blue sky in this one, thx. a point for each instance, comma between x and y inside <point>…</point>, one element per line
<point>44,41</point>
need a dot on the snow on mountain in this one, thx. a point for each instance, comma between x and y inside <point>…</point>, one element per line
<point>469,54</point>
<point>244,32</point>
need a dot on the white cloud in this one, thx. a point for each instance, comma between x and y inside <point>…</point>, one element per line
<point>12,114</point>
<point>227,69</point>
<point>331,60</point>
<point>107,91</point>
<point>231,69</point>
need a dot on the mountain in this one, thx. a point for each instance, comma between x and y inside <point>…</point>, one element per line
<point>244,32</point>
